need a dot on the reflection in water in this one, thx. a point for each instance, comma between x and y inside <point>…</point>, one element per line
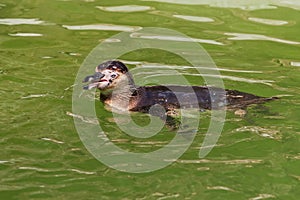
<point>71,53</point>
<point>242,4</point>
<point>34,169</point>
<point>82,172</point>
<point>47,57</point>
<point>174,38</point>
<point>47,170</point>
<point>83,119</point>
<point>220,188</point>
<point>104,27</point>
<point>245,36</point>
<point>268,21</point>
<point>52,140</point>
<point>26,35</point>
<point>125,8</point>
<point>111,40</point>
<point>295,64</point>
<point>34,96</point>
<point>263,196</point>
<point>226,162</point>
<point>19,21</point>
<point>194,18</point>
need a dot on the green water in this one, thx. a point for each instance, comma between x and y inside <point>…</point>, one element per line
<point>42,157</point>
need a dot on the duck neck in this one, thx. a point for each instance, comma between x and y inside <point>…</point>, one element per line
<point>119,98</point>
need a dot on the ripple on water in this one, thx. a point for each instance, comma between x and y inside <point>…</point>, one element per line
<point>268,21</point>
<point>194,18</point>
<point>173,38</point>
<point>245,36</point>
<point>19,21</point>
<point>103,27</point>
<point>125,8</point>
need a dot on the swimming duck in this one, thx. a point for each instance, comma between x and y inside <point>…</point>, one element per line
<point>118,90</point>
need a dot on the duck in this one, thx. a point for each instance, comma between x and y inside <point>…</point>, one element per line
<point>118,90</point>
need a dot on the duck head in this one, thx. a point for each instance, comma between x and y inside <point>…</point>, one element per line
<point>110,75</point>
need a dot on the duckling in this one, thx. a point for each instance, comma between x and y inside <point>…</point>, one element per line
<point>119,91</point>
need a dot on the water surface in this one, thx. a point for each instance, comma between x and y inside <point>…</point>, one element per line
<point>42,157</point>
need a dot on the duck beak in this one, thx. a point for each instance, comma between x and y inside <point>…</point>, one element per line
<point>93,79</point>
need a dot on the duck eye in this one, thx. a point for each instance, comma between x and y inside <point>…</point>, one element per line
<point>113,76</point>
